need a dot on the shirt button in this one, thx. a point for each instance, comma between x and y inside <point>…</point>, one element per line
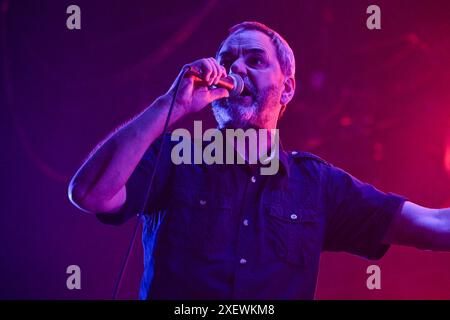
<point>242,261</point>
<point>245,222</point>
<point>294,216</point>
<point>253,179</point>
<point>202,202</point>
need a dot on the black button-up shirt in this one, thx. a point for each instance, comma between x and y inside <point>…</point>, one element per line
<point>226,232</point>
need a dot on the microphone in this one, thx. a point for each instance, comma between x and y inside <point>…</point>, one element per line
<point>233,82</point>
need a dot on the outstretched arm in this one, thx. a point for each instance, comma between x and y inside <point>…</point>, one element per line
<point>420,227</point>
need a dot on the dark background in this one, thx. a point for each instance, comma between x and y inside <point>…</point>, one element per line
<point>374,102</point>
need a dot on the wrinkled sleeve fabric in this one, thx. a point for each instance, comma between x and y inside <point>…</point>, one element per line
<point>138,184</point>
<point>358,215</point>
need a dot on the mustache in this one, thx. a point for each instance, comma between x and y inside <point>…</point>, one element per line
<point>249,86</point>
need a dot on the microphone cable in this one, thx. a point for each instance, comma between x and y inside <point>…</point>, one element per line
<point>149,187</point>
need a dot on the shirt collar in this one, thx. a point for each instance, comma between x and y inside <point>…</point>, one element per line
<point>283,156</point>
<point>284,159</point>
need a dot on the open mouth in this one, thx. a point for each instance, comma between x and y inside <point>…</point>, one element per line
<point>246,92</point>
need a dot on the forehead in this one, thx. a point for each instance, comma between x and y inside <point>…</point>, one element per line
<point>246,40</point>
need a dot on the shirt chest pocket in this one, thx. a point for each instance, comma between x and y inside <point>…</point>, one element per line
<point>292,232</point>
<point>199,219</point>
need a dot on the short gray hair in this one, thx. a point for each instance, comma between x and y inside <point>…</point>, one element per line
<point>284,52</point>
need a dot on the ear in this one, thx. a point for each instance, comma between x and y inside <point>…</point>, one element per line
<point>288,92</point>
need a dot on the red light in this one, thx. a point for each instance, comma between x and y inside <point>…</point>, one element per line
<point>346,121</point>
<point>447,157</point>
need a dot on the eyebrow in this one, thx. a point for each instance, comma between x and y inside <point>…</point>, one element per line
<point>246,51</point>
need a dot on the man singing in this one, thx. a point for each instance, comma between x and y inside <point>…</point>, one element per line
<point>225,231</point>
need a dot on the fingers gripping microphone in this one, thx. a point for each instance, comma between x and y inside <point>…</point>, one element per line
<point>233,82</point>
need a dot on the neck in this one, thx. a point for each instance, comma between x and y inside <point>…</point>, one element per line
<point>253,143</point>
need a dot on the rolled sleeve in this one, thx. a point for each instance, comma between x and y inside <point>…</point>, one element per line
<point>359,216</point>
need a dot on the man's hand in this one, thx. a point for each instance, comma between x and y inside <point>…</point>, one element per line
<point>192,95</point>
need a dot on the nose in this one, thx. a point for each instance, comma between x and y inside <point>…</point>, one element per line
<point>239,67</point>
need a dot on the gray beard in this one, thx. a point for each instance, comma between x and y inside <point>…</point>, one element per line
<point>234,112</point>
<point>230,113</point>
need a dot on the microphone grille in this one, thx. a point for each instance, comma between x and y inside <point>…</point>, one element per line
<point>238,84</point>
